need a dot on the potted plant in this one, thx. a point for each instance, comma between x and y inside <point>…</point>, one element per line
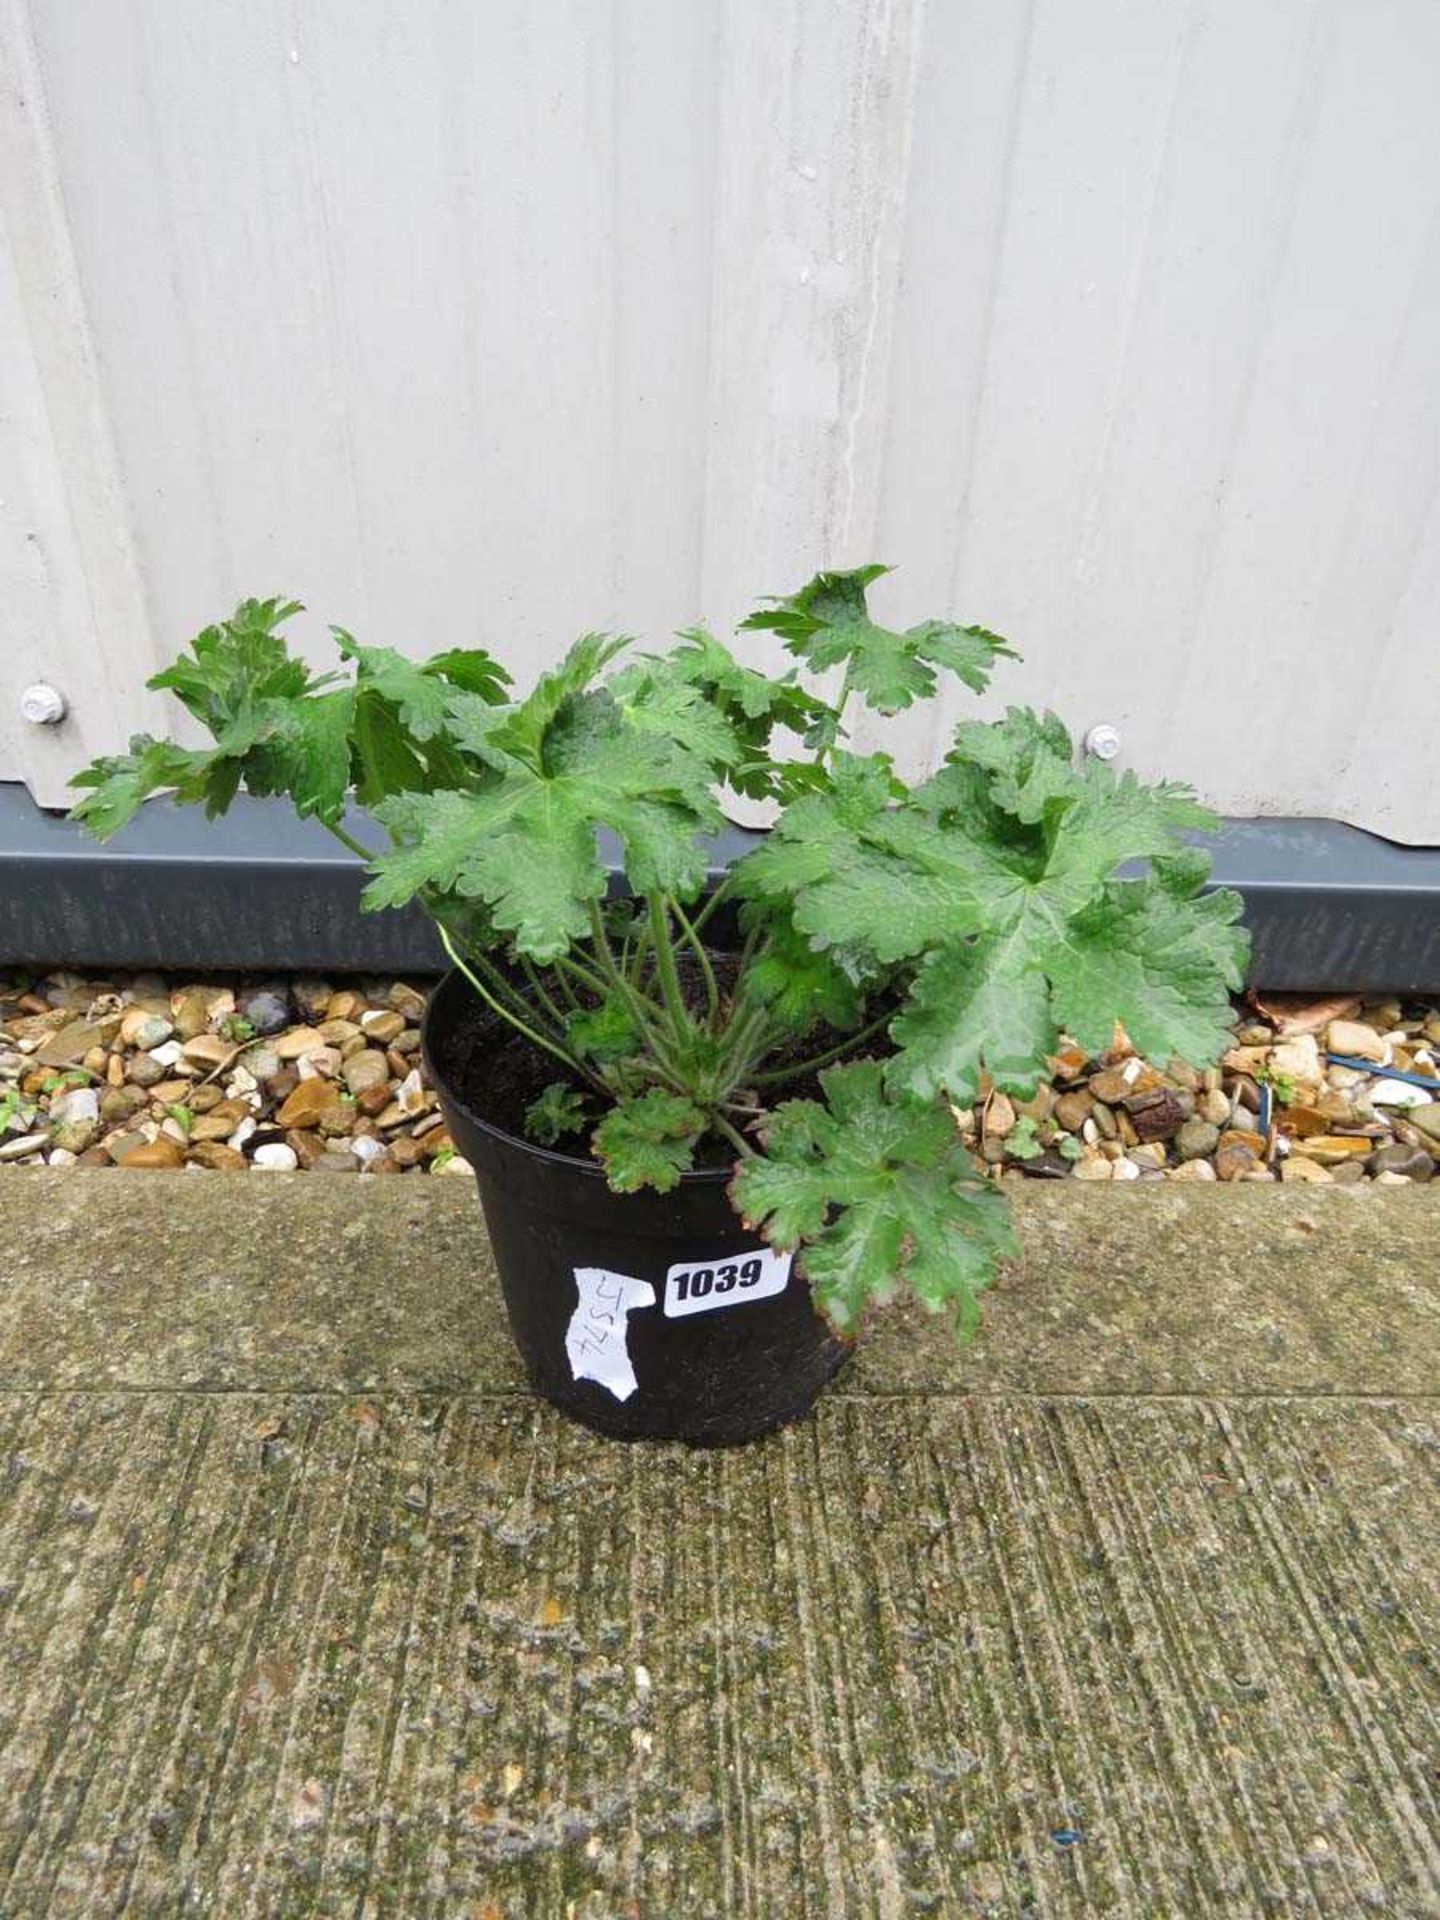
<point>702,1106</point>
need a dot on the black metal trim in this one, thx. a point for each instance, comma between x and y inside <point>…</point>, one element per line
<point>1330,907</point>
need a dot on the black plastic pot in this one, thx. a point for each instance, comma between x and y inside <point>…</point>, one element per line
<point>645,1315</point>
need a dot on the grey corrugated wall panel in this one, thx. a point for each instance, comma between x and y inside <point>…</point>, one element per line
<point>1114,325</point>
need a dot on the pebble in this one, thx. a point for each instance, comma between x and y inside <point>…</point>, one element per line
<point>1072,1110</point>
<point>26,1143</point>
<point>207,1050</point>
<point>999,1115</point>
<point>1193,1170</point>
<point>217,1157</point>
<point>1330,1149</point>
<point>1413,1162</point>
<point>1355,1038</point>
<point>156,1154</point>
<point>387,1025</point>
<point>191,1008</point>
<point>275,1157</point>
<point>145,1030</point>
<point>297,1042</point>
<point>267,1012</point>
<point>304,1106</point>
<point>1302,1171</point>
<point>1427,1119</point>
<point>1197,1139</point>
<point>1234,1160</point>
<point>1298,1059</point>
<point>1214,1106</point>
<point>365,1070</point>
<point>76,1104</point>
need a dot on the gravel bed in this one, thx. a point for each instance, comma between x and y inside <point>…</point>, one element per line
<point>285,1075</point>
<point>139,1071</point>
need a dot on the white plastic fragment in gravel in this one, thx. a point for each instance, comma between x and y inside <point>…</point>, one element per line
<point>1399,1093</point>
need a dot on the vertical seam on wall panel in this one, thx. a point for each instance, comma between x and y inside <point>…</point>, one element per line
<point>65,292</point>
<point>1304,120</point>
<point>996,270</point>
<point>890,217</point>
<point>1084,557</point>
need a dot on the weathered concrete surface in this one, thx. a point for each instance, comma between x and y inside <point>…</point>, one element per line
<point>1005,1637</point>
<point>189,1280</point>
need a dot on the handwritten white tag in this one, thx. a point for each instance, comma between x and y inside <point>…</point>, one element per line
<point>700,1286</point>
<point>595,1341</point>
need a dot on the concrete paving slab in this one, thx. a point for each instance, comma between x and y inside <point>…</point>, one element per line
<point>200,1282</point>
<point>1012,1635</point>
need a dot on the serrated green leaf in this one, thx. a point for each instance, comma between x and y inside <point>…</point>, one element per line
<point>525,842</point>
<point>419,698</point>
<point>604,1032</point>
<point>120,782</point>
<point>557,1111</point>
<point>797,986</point>
<point>236,664</point>
<point>1164,967</point>
<point>827,623</point>
<point>1022,1142</point>
<point>648,1141</point>
<point>975,1005</point>
<point>1029,758</point>
<point>471,669</point>
<point>303,749</point>
<point>522,732</point>
<point>875,1192</point>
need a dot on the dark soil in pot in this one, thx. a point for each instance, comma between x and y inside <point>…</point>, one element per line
<point>646,1315</point>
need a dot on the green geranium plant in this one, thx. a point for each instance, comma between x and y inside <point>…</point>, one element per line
<point>889,949</point>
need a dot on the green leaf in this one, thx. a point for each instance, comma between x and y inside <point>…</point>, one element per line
<point>798,987</point>
<point>522,731</point>
<point>471,669</point>
<point>525,841</point>
<point>557,1111</point>
<point>1030,759</point>
<point>876,1193</point>
<point>827,623</point>
<point>605,1032</point>
<point>648,1141</point>
<point>1023,1142</point>
<point>999,875</point>
<point>975,1005</point>
<point>120,782</point>
<point>419,698</point>
<point>1163,966</point>
<point>385,759</point>
<point>236,664</point>
<point>301,748</point>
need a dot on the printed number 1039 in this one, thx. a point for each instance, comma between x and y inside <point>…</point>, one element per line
<point>702,1286</point>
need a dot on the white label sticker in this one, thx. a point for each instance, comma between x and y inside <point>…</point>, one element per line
<point>595,1340</point>
<point>729,1280</point>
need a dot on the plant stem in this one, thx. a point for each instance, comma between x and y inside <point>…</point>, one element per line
<point>346,840</point>
<point>643,1011</point>
<point>513,1019</point>
<point>711,903</point>
<point>669,974</point>
<point>736,1139</point>
<point>844,1046</point>
<point>712,991</point>
<point>538,987</point>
